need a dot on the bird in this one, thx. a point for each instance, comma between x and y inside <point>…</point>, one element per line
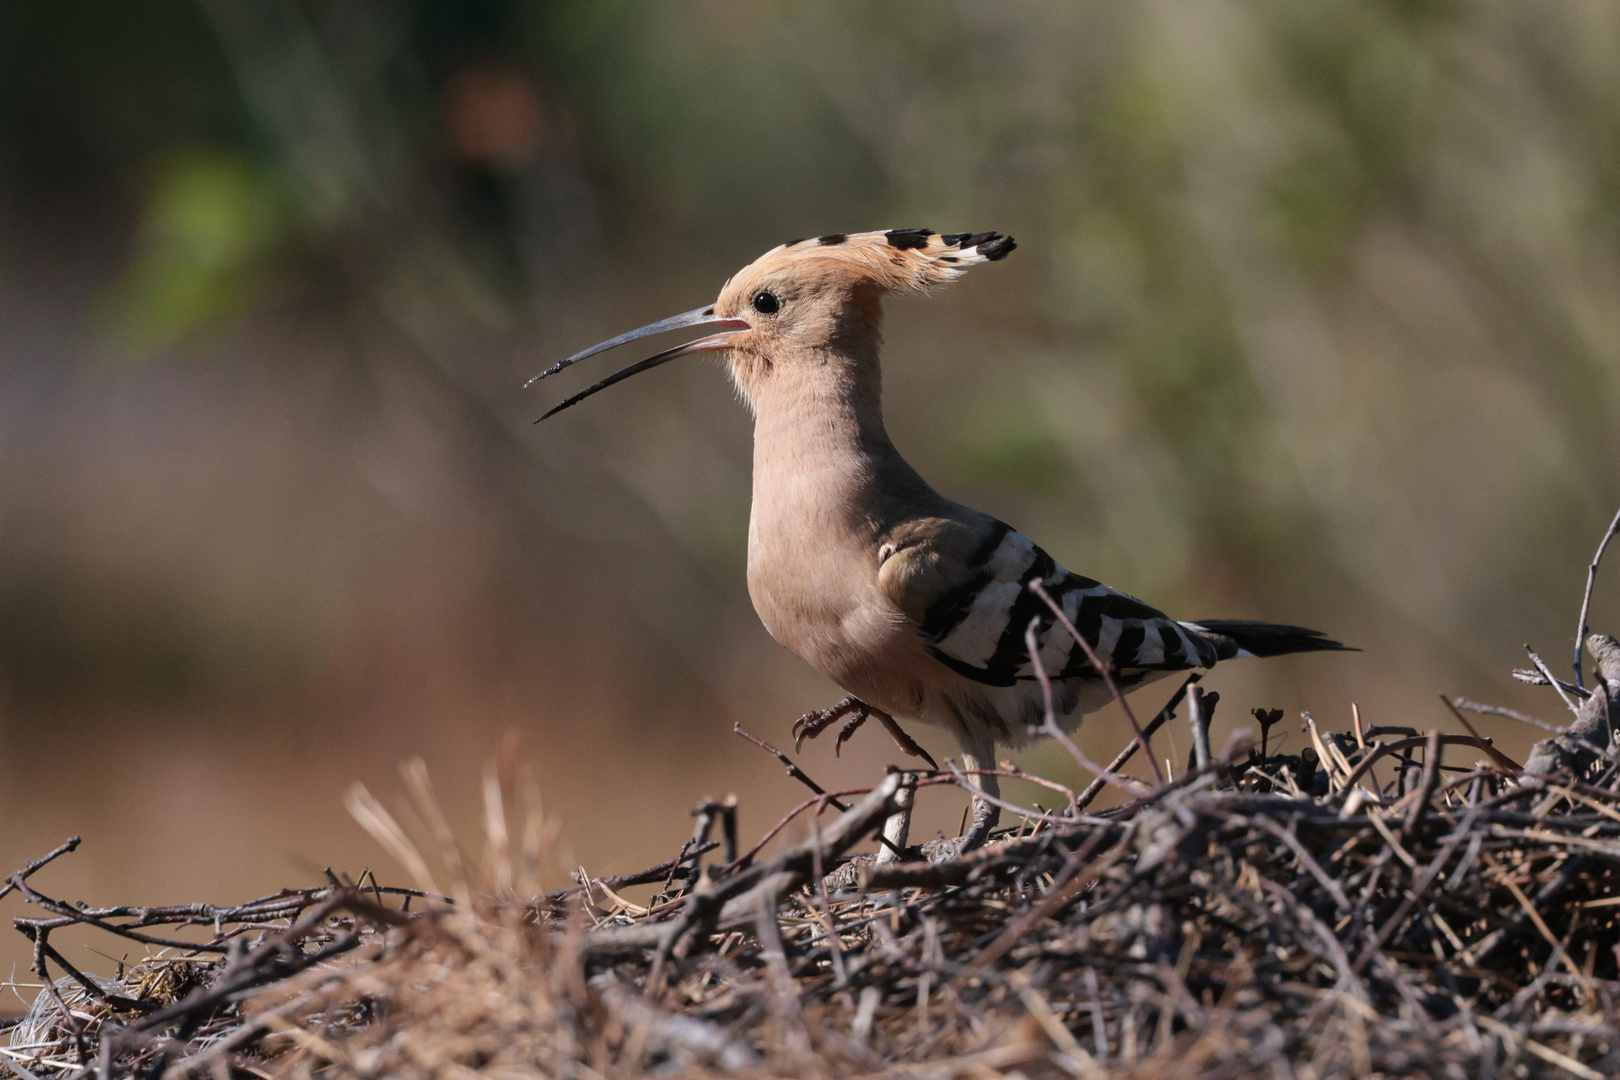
<point>915,605</point>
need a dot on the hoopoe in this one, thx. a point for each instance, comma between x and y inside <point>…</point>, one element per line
<point>915,605</point>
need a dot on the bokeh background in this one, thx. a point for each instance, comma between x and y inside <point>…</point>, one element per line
<point>1315,317</point>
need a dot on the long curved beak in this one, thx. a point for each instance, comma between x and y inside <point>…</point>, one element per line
<point>703,316</point>
<point>714,343</point>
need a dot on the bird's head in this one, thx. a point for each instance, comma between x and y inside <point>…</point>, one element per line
<point>806,298</point>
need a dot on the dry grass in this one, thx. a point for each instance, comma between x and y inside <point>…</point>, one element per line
<point>1383,903</point>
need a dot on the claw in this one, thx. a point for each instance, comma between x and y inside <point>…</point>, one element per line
<point>906,742</point>
<point>854,725</point>
<point>814,723</point>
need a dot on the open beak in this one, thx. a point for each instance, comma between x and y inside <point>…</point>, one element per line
<point>703,316</point>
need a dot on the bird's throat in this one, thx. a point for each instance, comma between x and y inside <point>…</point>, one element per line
<point>819,437</point>
<point>825,470</point>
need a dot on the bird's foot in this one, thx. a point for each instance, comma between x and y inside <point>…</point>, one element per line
<point>812,724</point>
<point>985,819</point>
<point>986,816</point>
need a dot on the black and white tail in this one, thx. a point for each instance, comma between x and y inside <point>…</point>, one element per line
<point>1239,637</point>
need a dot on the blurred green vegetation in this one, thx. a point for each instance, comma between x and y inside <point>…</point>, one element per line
<point>207,223</point>
<point>1314,314</point>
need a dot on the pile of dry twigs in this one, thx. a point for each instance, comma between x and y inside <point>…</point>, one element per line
<point>1382,903</point>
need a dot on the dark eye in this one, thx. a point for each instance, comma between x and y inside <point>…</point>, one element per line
<point>766,303</point>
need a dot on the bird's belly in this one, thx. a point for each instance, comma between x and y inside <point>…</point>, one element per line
<point>819,621</point>
<point>841,624</point>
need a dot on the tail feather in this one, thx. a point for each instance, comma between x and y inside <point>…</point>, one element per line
<point>1239,637</point>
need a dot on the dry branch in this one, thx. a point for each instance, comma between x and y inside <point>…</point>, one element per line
<point>1362,907</point>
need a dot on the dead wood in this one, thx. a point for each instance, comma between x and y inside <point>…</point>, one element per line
<point>1384,902</point>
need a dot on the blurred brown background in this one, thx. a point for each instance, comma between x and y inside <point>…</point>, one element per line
<point>1314,318</point>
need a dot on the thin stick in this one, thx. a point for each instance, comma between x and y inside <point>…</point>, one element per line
<point>1107,676</point>
<point>787,819</point>
<point>1511,714</point>
<point>792,769</point>
<point>1130,787</point>
<point>1200,727</point>
<point>897,828</point>
<point>829,921</point>
<point>1461,719</point>
<point>1586,598</point>
<point>1016,773</point>
<point>675,866</point>
<point>968,786</point>
<point>1425,792</point>
<point>653,873</point>
<point>29,867</point>
<point>43,949</point>
<point>823,800</point>
<point>1382,749</point>
<point>1165,715</point>
<point>728,825</point>
<point>1541,666</point>
<point>957,776</point>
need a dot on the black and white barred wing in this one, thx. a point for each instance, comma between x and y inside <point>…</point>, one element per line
<point>975,625</point>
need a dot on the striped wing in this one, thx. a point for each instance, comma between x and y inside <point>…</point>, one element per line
<point>976,626</point>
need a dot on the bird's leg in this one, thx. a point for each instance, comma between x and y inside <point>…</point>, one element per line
<point>979,752</point>
<point>812,724</point>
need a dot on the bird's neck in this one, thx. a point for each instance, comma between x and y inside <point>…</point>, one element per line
<point>821,450</point>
